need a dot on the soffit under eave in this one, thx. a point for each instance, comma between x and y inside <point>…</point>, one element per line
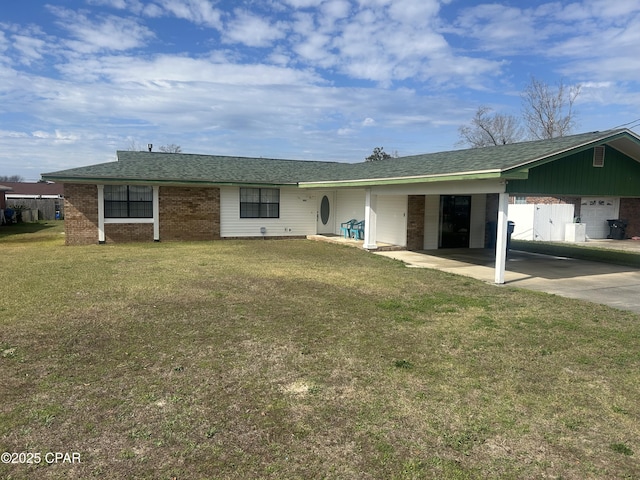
<point>628,146</point>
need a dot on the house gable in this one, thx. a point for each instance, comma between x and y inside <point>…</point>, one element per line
<point>576,175</point>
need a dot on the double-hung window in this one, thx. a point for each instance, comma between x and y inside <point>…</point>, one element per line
<point>259,203</point>
<point>128,201</point>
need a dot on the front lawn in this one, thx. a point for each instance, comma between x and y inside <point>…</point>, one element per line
<point>300,359</point>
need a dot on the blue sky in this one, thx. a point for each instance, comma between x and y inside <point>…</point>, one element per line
<point>303,79</point>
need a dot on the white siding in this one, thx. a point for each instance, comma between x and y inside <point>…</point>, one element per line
<point>392,220</point>
<point>431,222</point>
<point>350,204</point>
<point>298,209</point>
<point>478,221</point>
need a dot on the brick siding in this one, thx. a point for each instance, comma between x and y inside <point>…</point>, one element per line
<point>186,213</point>
<point>415,222</point>
<point>128,232</point>
<point>189,213</point>
<point>630,211</point>
<point>81,214</point>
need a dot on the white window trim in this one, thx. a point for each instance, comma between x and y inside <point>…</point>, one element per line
<point>155,220</point>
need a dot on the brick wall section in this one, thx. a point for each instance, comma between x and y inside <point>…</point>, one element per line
<point>630,211</point>
<point>189,213</point>
<point>128,232</point>
<point>81,214</point>
<point>415,222</point>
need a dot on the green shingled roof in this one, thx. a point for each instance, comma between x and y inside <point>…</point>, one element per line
<point>507,161</point>
<point>188,168</point>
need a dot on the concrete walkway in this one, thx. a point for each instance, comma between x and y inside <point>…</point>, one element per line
<point>612,285</point>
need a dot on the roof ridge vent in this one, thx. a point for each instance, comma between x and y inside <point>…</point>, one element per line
<point>598,156</point>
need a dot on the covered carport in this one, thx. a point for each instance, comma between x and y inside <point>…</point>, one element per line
<point>595,163</point>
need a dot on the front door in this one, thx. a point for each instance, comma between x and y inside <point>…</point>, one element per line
<point>326,213</point>
<point>455,221</point>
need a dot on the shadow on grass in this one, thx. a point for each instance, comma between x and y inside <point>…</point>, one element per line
<point>28,231</point>
<point>616,257</point>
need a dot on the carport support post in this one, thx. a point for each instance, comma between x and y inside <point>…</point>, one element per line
<point>101,236</point>
<point>370,206</point>
<point>156,213</point>
<point>501,237</point>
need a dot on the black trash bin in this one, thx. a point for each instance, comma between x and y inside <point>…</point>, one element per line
<point>511,226</point>
<point>617,229</point>
<point>492,229</point>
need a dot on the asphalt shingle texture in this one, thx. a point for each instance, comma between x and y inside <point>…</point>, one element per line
<point>187,168</point>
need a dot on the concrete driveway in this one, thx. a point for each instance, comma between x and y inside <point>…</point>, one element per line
<point>613,285</point>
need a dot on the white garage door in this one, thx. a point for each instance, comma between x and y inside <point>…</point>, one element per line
<point>595,211</point>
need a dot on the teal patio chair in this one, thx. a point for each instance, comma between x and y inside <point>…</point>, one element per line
<point>345,227</point>
<point>358,230</point>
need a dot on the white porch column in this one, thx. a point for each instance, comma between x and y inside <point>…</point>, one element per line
<point>370,220</point>
<point>101,237</point>
<point>156,213</point>
<point>501,237</point>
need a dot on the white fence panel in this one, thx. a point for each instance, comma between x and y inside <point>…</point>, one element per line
<point>541,222</point>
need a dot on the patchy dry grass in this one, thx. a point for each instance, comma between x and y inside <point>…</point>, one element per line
<point>297,359</point>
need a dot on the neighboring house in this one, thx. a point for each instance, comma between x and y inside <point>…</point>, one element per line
<point>3,202</point>
<point>455,199</point>
<point>44,197</point>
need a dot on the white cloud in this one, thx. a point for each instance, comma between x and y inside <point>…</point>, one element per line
<point>304,3</point>
<point>499,28</point>
<point>117,4</point>
<point>12,134</point>
<point>335,9</point>
<point>180,69</point>
<point>200,12</point>
<point>30,48</point>
<point>57,136</point>
<point>419,12</point>
<point>110,33</point>
<point>325,80</point>
<point>253,30</point>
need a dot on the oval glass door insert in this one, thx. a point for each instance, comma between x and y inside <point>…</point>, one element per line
<point>324,210</point>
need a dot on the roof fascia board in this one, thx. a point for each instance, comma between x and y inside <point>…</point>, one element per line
<point>570,151</point>
<point>180,183</point>
<point>403,180</point>
<point>469,187</point>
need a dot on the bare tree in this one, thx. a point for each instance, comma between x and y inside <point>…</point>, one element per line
<point>173,148</point>
<point>548,112</point>
<point>487,129</point>
<point>12,178</point>
<point>378,154</point>
<point>134,146</point>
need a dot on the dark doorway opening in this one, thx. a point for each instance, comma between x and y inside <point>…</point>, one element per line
<point>455,221</point>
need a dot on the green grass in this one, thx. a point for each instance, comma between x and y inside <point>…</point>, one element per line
<point>595,254</point>
<point>300,359</point>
